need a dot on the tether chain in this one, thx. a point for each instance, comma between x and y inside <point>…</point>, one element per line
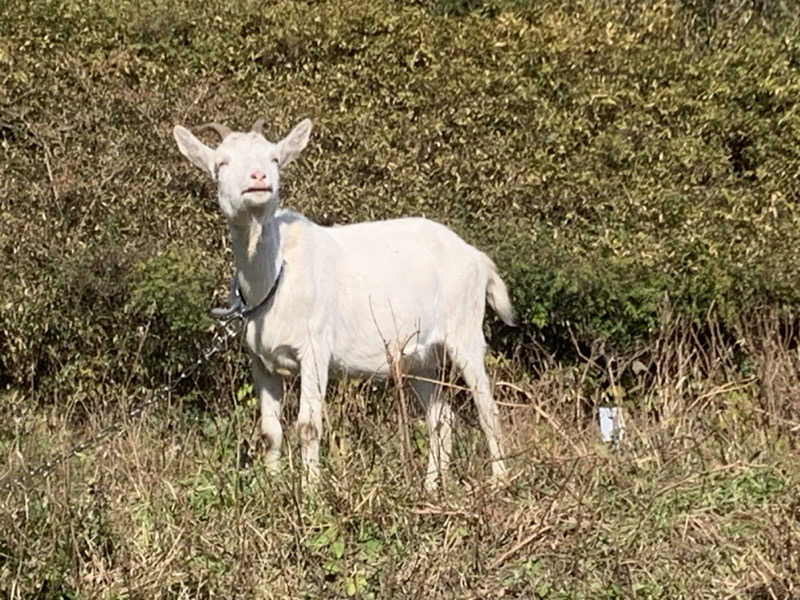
<point>230,329</point>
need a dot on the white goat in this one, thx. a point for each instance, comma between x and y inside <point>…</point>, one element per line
<point>360,299</point>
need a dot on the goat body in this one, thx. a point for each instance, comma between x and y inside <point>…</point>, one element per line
<point>359,299</point>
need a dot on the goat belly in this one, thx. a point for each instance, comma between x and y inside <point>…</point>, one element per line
<point>280,362</point>
<point>364,359</point>
<point>276,357</point>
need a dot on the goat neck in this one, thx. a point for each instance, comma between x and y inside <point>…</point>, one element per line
<point>257,257</point>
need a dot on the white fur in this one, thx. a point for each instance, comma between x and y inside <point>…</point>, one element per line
<point>360,299</point>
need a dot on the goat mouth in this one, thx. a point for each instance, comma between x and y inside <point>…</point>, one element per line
<point>257,198</point>
<point>257,190</point>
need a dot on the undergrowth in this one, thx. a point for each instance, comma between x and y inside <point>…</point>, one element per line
<point>613,158</point>
<point>697,502</point>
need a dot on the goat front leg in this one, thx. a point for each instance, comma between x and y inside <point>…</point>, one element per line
<point>269,389</point>
<point>313,381</point>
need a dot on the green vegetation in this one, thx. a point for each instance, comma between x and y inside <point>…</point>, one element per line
<point>632,167</point>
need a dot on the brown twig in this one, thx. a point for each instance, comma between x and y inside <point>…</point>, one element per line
<point>551,421</point>
<point>518,546</point>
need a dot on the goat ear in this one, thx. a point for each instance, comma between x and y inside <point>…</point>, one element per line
<point>196,151</point>
<point>290,147</point>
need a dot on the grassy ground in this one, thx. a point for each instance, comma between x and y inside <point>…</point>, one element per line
<point>699,502</point>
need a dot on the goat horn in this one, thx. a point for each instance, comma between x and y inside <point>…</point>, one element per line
<point>258,126</point>
<point>221,130</point>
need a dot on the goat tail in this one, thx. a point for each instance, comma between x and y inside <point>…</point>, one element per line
<point>497,296</point>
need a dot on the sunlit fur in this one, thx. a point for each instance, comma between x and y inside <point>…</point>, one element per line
<point>362,299</point>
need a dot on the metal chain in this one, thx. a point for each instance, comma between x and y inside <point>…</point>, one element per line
<point>230,328</point>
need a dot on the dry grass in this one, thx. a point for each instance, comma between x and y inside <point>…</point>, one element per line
<point>698,503</point>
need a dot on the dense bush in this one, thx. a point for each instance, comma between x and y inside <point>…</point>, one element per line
<point>633,168</point>
<point>613,157</point>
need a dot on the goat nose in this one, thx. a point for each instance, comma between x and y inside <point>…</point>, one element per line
<point>258,175</point>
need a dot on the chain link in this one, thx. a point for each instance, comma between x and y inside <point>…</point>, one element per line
<point>230,328</point>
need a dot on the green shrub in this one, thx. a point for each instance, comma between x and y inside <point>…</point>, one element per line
<point>93,319</point>
<point>611,156</point>
<point>171,289</point>
<point>55,321</point>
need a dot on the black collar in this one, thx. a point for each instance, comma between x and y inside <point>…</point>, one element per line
<point>238,306</point>
<point>246,312</point>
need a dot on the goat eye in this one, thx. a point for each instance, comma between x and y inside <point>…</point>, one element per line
<point>218,165</point>
<point>275,160</point>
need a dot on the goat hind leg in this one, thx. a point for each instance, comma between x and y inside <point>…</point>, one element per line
<point>476,378</point>
<point>439,419</point>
